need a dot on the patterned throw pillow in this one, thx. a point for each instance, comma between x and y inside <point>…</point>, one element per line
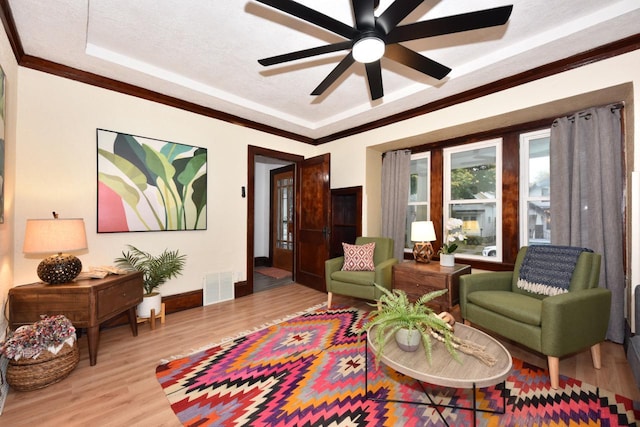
<point>358,257</point>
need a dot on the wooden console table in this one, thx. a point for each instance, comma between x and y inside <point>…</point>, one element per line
<point>86,303</point>
<point>417,279</point>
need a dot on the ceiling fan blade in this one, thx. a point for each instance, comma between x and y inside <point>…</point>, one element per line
<point>374,75</point>
<point>312,16</point>
<point>363,12</point>
<point>451,24</point>
<point>396,13</point>
<point>416,61</point>
<point>342,66</point>
<point>306,53</point>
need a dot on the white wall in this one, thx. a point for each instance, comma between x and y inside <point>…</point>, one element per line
<point>261,205</point>
<point>10,68</point>
<point>56,171</point>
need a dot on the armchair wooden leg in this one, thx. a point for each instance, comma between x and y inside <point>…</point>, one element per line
<point>466,322</point>
<point>554,371</point>
<point>329,298</point>
<point>595,356</point>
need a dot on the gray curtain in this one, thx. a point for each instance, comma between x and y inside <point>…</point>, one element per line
<point>587,200</point>
<point>395,197</point>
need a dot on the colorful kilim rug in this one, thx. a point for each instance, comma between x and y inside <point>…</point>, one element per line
<point>310,371</point>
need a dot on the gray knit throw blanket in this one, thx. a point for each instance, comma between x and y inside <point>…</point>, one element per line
<point>547,270</point>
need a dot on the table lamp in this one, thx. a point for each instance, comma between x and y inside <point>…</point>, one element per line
<point>422,233</point>
<point>47,236</point>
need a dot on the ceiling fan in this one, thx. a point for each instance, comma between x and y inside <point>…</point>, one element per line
<point>374,37</point>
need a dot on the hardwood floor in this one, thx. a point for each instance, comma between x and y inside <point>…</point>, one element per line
<point>121,389</point>
<point>263,283</point>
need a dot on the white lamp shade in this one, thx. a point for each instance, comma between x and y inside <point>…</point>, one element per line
<point>422,231</point>
<point>47,236</point>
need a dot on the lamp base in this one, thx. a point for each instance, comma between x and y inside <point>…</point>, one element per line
<point>61,268</point>
<point>422,252</point>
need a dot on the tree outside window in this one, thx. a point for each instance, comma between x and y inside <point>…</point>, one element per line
<point>473,194</point>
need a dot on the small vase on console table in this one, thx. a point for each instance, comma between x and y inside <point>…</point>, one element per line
<point>447,260</point>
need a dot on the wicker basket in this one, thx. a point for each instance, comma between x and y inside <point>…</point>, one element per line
<point>46,369</point>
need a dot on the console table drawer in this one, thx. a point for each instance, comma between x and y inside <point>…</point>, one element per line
<point>26,308</point>
<point>409,279</point>
<point>417,279</point>
<point>112,299</point>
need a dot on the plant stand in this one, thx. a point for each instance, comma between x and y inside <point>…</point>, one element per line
<point>152,318</point>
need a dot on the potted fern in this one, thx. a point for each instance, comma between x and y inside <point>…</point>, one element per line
<point>410,323</point>
<point>156,271</point>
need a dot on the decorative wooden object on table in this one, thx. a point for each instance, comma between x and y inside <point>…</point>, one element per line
<point>417,279</point>
<point>152,317</point>
<point>86,303</point>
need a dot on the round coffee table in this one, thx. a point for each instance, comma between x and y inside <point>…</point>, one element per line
<point>444,370</point>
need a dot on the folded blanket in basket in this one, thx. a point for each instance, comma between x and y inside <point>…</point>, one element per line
<point>547,270</point>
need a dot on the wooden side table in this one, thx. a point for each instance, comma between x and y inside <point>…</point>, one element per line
<point>417,279</point>
<point>86,303</point>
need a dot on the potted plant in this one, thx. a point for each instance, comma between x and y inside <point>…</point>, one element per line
<point>395,312</point>
<point>397,316</point>
<point>453,234</point>
<point>156,271</point>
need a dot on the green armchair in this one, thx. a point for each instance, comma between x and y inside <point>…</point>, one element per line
<point>555,325</point>
<point>359,284</point>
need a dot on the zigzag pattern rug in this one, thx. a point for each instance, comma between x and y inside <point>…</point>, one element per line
<point>310,371</point>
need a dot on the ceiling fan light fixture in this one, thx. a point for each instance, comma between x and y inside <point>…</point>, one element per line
<point>368,49</point>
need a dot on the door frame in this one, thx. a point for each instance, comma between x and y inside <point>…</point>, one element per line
<point>246,287</point>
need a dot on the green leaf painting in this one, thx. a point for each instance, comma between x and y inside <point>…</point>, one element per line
<point>146,184</point>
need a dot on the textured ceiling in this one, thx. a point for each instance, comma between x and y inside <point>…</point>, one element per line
<point>206,52</point>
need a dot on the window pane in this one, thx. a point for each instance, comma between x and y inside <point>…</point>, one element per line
<point>539,168</point>
<point>284,224</point>
<point>539,223</point>
<point>419,183</point>
<point>473,174</point>
<point>414,213</point>
<point>419,187</point>
<point>535,219</point>
<point>478,224</point>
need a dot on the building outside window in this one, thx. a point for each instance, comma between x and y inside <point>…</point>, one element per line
<point>473,194</point>
<point>535,218</point>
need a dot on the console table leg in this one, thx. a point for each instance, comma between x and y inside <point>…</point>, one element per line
<point>93,336</point>
<point>133,322</point>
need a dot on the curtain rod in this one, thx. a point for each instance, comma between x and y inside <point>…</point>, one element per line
<point>386,152</point>
<point>584,114</point>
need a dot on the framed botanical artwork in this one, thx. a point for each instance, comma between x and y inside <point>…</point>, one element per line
<point>146,184</point>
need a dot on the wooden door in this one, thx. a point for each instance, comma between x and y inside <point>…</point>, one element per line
<point>282,218</point>
<point>313,221</point>
<point>346,218</point>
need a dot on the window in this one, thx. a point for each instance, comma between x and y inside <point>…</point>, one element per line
<point>284,208</point>
<point>473,194</point>
<point>419,184</point>
<point>535,219</point>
